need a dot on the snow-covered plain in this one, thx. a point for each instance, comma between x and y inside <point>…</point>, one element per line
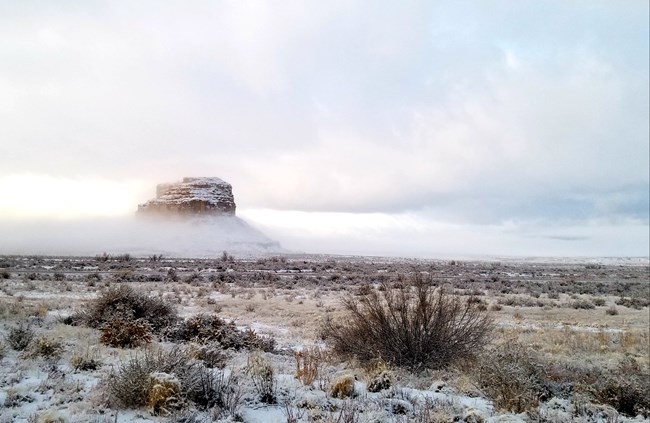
<point>286,297</point>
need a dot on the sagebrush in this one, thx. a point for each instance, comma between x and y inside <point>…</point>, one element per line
<point>412,324</point>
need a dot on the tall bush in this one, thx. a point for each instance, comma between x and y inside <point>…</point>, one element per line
<point>412,325</point>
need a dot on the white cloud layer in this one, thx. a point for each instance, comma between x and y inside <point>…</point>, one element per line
<point>468,114</point>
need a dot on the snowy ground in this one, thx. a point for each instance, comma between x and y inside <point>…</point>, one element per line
<point>286,297</point>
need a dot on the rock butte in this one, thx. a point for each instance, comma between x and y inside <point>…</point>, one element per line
<point>191,197</point>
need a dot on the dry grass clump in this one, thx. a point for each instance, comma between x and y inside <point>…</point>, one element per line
<point>211,329</point>
<point>46,347</point>
<point>598,344</point>
<point>309,363</point>
<point>126,303</point>
<point>164,394</point>
<point>412,325</point>
<point>261,371</point>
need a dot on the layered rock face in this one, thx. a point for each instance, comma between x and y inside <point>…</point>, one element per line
<point>192,197</point>
<point>197,219</point>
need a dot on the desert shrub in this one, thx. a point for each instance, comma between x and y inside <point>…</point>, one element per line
<point>511,376</point>
<point>19,337</point>
<point>129,385</point>
<point>342,386</point>
<point>553,295</point>
<point>85,360</point>
<point>412,325</point>
<point>211,355</point>
<point>261,371</point>
<point>46,347</point>
<point>635,303</point>
<point>583,304</point>
<point>125,303</point>
<point>496,307</point>
<point>612,311</point>
<point>598,302</point>
<point>216,391</point>
<point>124,333</point>
<point>210,329</point>
<point>3,350</point>
<point>348,413</point>
<point>626,388</point>
<point>4,274</point>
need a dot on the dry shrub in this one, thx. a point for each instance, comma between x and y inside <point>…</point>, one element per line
<point>308,365</point>
<point>349,413</point>
<point>211,355</point>
<point>19,337</point>
<point>46,347</point>
<point>124,333</point>
<point>582,305</point>
<point>626,388</point>
<point>342,386</point>
<point>216,391</point>
<point>516,379</point>
<point>125,303</point>
<point>211,329</point>
<point>133,384</point>
<point>511,376</point>
<point>636,303</point>
<point>129,386</point>
<point>412,325</point>
<point>87,360</point>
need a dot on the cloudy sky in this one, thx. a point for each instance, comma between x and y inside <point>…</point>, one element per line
<point>354,127</point>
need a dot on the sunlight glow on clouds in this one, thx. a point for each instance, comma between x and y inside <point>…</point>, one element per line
<point>29,196</point>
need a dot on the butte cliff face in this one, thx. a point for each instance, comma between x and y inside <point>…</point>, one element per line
<point>192,197</point>
<point>195,218</point>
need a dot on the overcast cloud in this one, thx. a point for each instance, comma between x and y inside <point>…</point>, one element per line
<point>522,123</point>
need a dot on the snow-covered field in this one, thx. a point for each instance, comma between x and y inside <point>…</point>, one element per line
<point>540,305</point>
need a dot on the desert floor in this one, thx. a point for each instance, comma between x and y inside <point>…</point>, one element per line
<point>580,329</point>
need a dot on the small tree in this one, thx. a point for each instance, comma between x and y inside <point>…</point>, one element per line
<point>412,325</point>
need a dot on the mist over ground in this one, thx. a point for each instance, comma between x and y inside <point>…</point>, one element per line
<point>267,234</point>
<point>206,237</point>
